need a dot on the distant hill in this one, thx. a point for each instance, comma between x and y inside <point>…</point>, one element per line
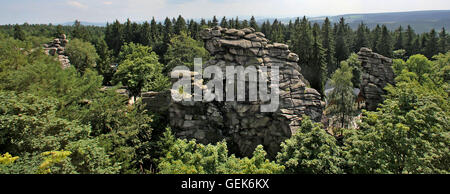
<point>86,23</point>
<point>420,21</point>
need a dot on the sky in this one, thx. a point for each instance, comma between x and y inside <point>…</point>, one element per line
<point>62,11</point>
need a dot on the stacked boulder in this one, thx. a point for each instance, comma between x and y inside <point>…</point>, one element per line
<point>57,48</point>
<point>242,124</point>
<point>377,73</point>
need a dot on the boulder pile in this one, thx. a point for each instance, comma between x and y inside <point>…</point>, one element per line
<point>242,124</point>
<point>57,48</point>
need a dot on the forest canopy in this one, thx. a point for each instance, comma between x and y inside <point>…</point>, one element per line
<point>55,120</point>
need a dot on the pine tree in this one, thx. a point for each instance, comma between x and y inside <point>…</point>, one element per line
<point>318,61</point>
<point>409,45</point>
<point>18,33</point>
<point>180,25</point>
<point>245,24</point>
<point>237,23</point>
<point>104,62</point>
<point>79,31</point>
<point>168,32</point>
<point>431,45</point>
<point>423,42</point>
<point>384,44</point>
<point>267,29</point>
<point>231,23</point>
<point>215,22</point>
<point>288,32</point>
<point>203,23</point>
<point>341,46</point>
<point>194,29</point>
<point>114,37</point>
<point>136,35</point>
<point>361,38</point>
<point>224,23</point>
<point>328,45</point>
<point>418,45</point>
<point>376,33</point>
<point>59,31</point>
<point>303,41</point>
<point>253,24</point>
<point>399,43</point>
<point>145,35</point>
<point>154,32</point>
<point>128,34</point>
<point>443,41</point>
<point>277,32</point>
<point>342,100</point>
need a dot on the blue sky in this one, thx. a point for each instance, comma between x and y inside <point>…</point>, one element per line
<point>61,11</point>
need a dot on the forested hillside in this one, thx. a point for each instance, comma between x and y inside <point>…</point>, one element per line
<point>55,120</point>
<point>421,21</point>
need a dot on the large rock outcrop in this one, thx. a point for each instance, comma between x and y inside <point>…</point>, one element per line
<point>377,72</point>
<point>242,124</point>
<point>57,48</point>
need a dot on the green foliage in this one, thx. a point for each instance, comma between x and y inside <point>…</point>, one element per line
<point>46,108</point>
<point>384,44</point>
<point>311,150</point>
<point>443,44</point>
<point>399,54</point>
<point>140,69</point>
<point>79,31</point>
<point>328,45</point>
<point>417,64</point>
<point>342,100</point>
<point>18,33</point>
<point>362,39</point>
<point>182,51</point>
<point>410,132</point>
<point>105,63</point>
<point>319,61</point>
<point>52,158</point>
<point>7,159</point>
<point>188,157</point>
<point>355,64</point>
<point>81,54</point>
<point>30,125</point>
<point>431,45</point>
<point>341,44</point>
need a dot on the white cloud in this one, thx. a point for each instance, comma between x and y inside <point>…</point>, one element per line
<point>76,4</point>
<point>107,3</point>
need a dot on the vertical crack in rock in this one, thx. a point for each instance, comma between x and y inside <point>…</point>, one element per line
<point>376,74</point>
<point>242,124</point>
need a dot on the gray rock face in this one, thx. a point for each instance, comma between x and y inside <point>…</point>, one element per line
<point>56,48</point>
<point>376,74</point>
<point>242,124</point>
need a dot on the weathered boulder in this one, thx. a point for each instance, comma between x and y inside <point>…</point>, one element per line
<point>377,73</point>
<point>57,48</point>
<point>242,124</point>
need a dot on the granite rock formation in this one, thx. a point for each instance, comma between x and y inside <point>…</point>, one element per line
<point>242,124</point>
<point>57,48</point>
<point>377,73</point>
